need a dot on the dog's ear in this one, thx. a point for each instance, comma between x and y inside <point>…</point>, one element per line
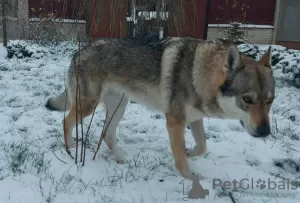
<point>265,60</point>
<point>233,58</point>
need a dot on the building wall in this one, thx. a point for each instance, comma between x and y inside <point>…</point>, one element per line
<point>278,2</point>
<point>258,12</point>
<point>287,29</point>
<point>258,34</point>
<point>67,30</point>
<point>254,35</point>
<point>288,21</point>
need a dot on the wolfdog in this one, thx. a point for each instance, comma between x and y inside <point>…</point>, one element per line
<point>186,79</point>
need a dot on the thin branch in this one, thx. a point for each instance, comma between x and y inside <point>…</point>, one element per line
<point>103,134</point>
<point>230,195</point>
<point>86,136</point>
<point>59,158</point>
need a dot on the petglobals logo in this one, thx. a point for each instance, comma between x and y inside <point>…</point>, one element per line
<point>251,184</point>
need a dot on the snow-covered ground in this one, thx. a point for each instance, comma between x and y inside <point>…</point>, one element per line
<point>34,167</point>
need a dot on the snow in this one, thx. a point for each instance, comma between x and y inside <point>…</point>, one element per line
<point>58,20</point>
<point>34,167</point>
<point>243,26</point>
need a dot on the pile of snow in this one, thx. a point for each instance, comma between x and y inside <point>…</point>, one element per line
<point>285,62</point>
<point>34,167</point>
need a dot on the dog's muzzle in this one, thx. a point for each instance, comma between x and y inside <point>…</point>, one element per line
<point>263,130</point>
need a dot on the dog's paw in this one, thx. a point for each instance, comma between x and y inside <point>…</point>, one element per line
<point>194,168</point>
<point>69,143</point>
<point>196,151</point>
<point>185,173</point>
<point>118,156</point>
<point>189,173</point>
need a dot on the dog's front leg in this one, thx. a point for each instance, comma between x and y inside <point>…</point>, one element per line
<point>175,126</point>
<point>198,133</point>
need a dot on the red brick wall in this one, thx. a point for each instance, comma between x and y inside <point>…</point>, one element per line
<point>67,9</point>
<point>260,12</point>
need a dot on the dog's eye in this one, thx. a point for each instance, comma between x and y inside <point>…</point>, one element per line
<point>248,100</point>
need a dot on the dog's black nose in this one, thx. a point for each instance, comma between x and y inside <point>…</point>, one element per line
<point>263,130</point>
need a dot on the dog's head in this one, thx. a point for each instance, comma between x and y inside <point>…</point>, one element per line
<point>250,85</point>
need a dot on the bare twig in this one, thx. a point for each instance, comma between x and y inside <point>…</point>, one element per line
<point>59,158</point>
<point>80,103</point>
<point>104,130</point>
<point>86,136</point>
<point>230,195</point>
<point>76,102</point>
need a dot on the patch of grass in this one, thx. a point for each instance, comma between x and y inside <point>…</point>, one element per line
<point>17,154</point>
<point>15,116</point>
<point>253,163</point>
<point>156,116</point>
<point>40,163</point>
<point>20,158</point>
<point>23,129</point>
<point>12,100</point>
<point>295,183</point>
<point>288,165</point>
<point>290,132</point>
<point>152,137</point>
<point>46,93</point>
<point>3,67</point>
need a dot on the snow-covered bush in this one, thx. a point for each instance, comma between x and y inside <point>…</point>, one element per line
<point>285,62</point>
<point>234,34</point>
<point>27,49</point>
<point>22,49</point>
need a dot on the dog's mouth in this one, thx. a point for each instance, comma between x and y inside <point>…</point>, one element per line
<point>252,134</point>
<point>242,123</point>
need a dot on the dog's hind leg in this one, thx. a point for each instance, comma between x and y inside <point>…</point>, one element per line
<point>115,105</point>
<point>198,133</point>
<point>87,105</point>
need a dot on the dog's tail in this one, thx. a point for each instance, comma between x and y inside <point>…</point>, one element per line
<point>59,103</point>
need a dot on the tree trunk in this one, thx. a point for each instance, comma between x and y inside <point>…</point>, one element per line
<point>3,6</point>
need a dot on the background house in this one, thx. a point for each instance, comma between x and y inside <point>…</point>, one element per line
<point>264,21</point>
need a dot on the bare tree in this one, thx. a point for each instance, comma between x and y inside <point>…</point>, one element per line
<point>4,4</point>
